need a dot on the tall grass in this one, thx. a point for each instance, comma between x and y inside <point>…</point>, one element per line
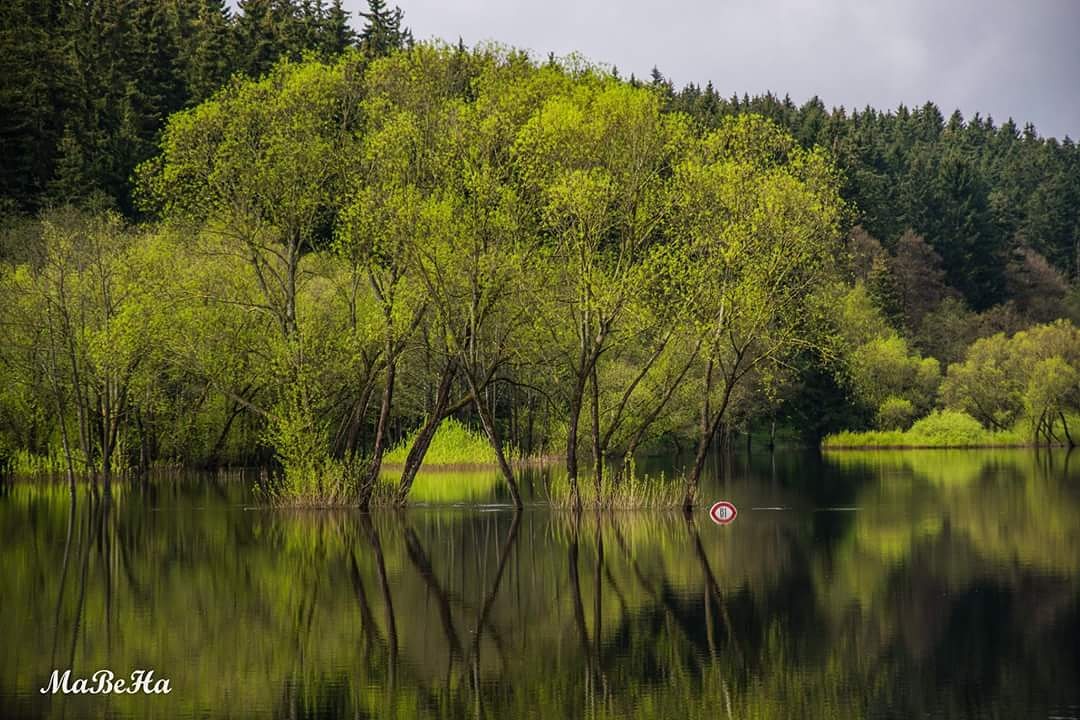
<point>325,483</point>
<point>631,491</point>
<point>454,443</point>
<point>53,462</point>
<point>939,429</point>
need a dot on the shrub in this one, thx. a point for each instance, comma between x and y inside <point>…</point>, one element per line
<point>895,413</point>
<point>310,476</point>
<point>942,428</point>
<point>950,427</point>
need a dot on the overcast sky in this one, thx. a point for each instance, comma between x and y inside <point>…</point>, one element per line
<point>1018,59</point>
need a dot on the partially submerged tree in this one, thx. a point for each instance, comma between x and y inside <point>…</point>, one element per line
<point>258,168</point>
<point>79,323</point>
<point>758,218</point>
<point>600,157</point>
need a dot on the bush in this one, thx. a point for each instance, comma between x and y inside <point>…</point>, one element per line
<point>895,413</point>
<point>950,427</point>
<point>310,476</point>
<point>941,428</point>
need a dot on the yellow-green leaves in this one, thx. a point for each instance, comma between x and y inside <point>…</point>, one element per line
<point>262,153</point>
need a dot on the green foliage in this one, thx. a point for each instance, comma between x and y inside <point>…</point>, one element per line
<point>877,362</point>
<point>89,86</point>
<point>299,439</point>
<point>454,444</point>
<point>939,429</point>
<point>970,188</point>
<point>948,427</point>
<point>895,413</point>
<point>1051,392</point>
<point>883,368</point>
<point>358,240</point>
<point>1032,374</point>
<point>883,290</point>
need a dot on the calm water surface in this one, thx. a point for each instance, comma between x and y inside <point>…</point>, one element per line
<point>936,584</point>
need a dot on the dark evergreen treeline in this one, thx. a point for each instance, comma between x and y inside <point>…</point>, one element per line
<point>979,193</point>
<point>86,86</point>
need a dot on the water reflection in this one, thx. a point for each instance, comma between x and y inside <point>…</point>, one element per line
<point>950,589</point>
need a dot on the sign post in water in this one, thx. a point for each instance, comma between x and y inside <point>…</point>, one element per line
<point>723,512</point>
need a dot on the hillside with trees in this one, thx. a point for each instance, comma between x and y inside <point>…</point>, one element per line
<point>263,238</point>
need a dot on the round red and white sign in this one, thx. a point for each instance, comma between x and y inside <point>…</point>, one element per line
<point>722,512</point>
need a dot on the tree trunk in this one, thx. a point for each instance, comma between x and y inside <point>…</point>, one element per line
<point>375,466</point>
<point>694,479</point>
<point>704,437</point>
<point>144,445</point>
<point>530,427</point>
<point>423,439</point>
<point>709,427</point>
<point>572,439</point>
<point>597,449</point>
<point>493,438</point>
<point>106,448</point>
<point>64,440</point>
<point>219,444</point>
<point>1065,427</point>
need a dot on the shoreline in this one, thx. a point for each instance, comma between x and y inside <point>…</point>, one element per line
<point>976,446</point>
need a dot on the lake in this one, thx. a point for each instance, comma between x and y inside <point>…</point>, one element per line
<point>901,584</point>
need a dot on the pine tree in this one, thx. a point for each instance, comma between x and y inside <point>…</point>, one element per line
<point>209,52</point>
<point>258,45</point>
<point>153,83</point>
<point>384,31</point>
<point>86,168</point>
<point>335,34</point>
<point>33,70</point>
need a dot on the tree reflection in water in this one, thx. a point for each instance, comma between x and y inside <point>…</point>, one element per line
<point>952,589</point>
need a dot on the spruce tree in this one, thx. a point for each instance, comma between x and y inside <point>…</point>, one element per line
<point>33,71</point>
<point>335,33</point>
<point>209,51</point>
<point>384,31</point>
<point>258,46</point>
<point>884,291</point>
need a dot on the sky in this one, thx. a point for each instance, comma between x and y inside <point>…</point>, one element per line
<point>1003,59</point>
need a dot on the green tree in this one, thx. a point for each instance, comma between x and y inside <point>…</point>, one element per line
<point>1003,379</point>
<point>384,30</point>
<point>260,167</point>
<point>81,326</point>
<point>208,49</point>
<point>596,156</point>
<point>759,219</point>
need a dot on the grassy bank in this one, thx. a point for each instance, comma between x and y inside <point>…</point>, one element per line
<point>454,444</point>
<point>940,429</point>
